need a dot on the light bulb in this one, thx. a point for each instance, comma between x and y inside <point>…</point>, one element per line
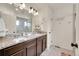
<point>16,9</point>
<point>30,10</point>
<point>22,6</point>
<point>36,13</point>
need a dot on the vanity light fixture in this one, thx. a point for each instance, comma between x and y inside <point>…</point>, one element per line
<point>36,13</point>
<point>16,9</point>
<point>22,6</point>
<point>31,10</point>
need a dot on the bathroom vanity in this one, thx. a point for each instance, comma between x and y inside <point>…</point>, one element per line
<point>33,45</point>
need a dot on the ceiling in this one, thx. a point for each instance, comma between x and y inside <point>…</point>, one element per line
<point>43,6</point>
<point>39,6</point>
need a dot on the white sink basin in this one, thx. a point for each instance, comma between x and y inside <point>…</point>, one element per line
<point>19,39</point>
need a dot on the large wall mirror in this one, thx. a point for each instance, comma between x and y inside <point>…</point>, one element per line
<point>23,24</point>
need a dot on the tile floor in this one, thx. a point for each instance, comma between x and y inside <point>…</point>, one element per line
<point>53,51</point>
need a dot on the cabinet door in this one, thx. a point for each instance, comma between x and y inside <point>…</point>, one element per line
<point>1,52</point>
<point>20,53</point>
<point>31,48</point>
<point>39,46</point>
<point>44,44</point>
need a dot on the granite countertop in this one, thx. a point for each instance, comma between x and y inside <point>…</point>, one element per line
<point>9,41</point>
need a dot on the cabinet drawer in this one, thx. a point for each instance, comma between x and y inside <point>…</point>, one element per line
<point>30,43</point>
<point>13,49</point>
<point>20,53</point>
<point>42,37</point>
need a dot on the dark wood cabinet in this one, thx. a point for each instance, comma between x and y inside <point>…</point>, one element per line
<point>41,44</point>
<point>33,47</point>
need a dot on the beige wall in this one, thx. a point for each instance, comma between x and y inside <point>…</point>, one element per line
<point>43,19</point>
